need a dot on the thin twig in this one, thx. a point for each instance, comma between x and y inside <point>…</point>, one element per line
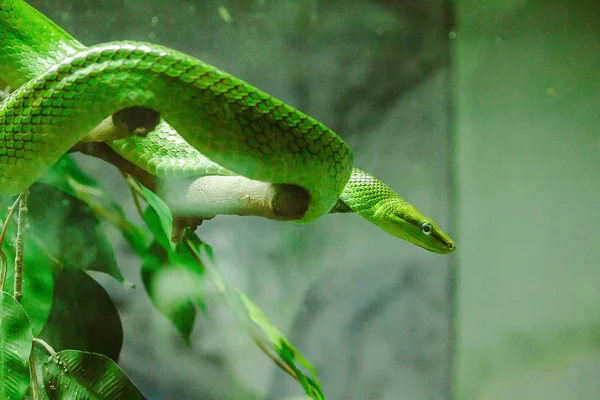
<point>3,269</point>
<point>135,186</point>
<point>135,193</point>
<point>45,345</point>
<point>11,211</point>
<point>20,245</point>
<point>104,152</point>
<point>269,354</point>
<point>3,261</point>
<point>35,391</point>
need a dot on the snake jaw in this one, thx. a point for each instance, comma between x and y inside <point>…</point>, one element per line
<point>373,200</point>
<point>405,221</point>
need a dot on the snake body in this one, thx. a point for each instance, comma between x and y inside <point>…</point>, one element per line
<point>217,123</point>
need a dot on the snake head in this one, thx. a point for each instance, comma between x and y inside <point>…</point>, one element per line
<point>405,221</point>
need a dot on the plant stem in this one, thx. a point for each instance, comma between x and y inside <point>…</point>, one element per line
<point>3,269</point>
<point>11,211</point>
<point>3,262</point>
<point>136,193</point>
<point>45,345</point>
<point>265,349</point>
<point>20,244</point>
<point>35,391</point>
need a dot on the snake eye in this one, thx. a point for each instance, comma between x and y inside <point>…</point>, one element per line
<point>426,228</point>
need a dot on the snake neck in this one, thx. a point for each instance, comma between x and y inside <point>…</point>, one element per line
<point>364,194</point>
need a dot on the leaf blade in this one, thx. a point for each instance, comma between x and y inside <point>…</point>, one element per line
<point>250,317</point>
<point>15,348</point>
<point>82,245</point>
<point>74,374</point>
<point>83,316</point>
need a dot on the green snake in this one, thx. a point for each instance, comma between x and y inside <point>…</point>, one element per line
<point>217,123</point>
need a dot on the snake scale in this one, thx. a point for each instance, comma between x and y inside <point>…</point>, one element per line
<point>211,123</point>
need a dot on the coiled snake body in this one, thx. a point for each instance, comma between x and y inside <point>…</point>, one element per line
<point>67,89</point>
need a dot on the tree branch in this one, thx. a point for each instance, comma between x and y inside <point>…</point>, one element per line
<point>196,199</point>
<point>3,261</point>
<point>20,245</point>
<point>208,196</point>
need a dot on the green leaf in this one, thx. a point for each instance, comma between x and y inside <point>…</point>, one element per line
<point>15,347</point>
<point>73,374</point>
<point>70,231</point>
<point>83,316</point>
<point>185,256</point>
<point>156,226</point>
<point>64,169</point>
<point>250,317</point>
<point>158,218</point>
<point>174,285</point>
<point>286,350</point>
<point>172,276</point>
<point>67,176</point>
<point>38,283</point>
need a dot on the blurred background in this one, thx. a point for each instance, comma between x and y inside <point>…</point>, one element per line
<point>482,114</point>
<point>527,158</point>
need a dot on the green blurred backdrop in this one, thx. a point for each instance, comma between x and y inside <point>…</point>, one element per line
<point>528,184</point>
